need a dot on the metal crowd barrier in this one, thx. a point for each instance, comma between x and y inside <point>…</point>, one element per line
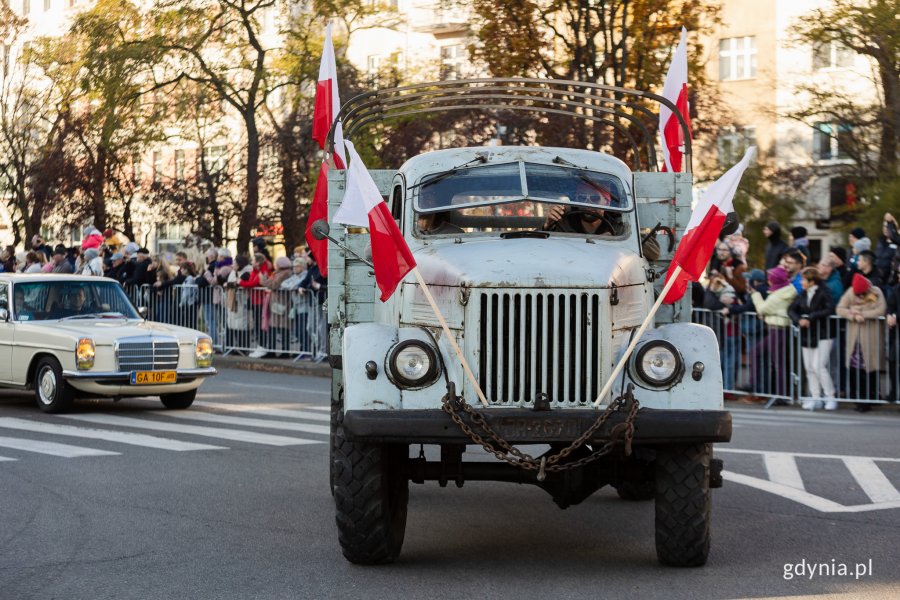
<point>770,362</point>
<point>245,321</point>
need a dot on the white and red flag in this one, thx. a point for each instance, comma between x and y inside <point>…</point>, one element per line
<point>675,90</point>
<point>363,206</point>
<point>328,105</point>
<point>702,232</point>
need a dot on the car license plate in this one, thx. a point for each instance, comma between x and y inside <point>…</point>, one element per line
<point>153,377</point>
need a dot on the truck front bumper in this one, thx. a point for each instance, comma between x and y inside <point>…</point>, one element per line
<point>526,426</point>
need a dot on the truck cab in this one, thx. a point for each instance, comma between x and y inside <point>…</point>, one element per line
<point>537,260</point>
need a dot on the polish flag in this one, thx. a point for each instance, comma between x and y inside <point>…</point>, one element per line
<point>328,103</point>
<point>702,232</point>
<point>363,206</point>
<point>319,210</point>
<point>675,90</point>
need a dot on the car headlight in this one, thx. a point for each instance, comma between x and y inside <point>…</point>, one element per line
<point>659,364</point>
<point>413,364</point>
<point>85,353</point>
<point>204,352</point>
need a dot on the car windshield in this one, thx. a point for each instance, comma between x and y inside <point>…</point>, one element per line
<point>517,196</point>
<point>51,300</point>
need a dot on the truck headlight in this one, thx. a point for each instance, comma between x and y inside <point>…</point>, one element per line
<point>413,364</point>
<point>204,352</point>
<point>659,364</point>
<point>84,353</point>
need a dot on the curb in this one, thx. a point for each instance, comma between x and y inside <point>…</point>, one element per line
<point>274,365</point>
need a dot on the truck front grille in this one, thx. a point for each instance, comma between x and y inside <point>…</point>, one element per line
<point>147,354</point>
<point>534,342</point>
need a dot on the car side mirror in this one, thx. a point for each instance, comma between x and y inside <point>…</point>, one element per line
<point>142,310</point>
<point>4,314</point>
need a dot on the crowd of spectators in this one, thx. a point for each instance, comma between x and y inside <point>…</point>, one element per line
<point>263,307</point>
<point>841,304</point>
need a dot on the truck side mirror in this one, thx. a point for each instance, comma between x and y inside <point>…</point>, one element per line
<point>732,222</point>
<point>320,229</point>
<point>4,314</point>
<point>142,310</point>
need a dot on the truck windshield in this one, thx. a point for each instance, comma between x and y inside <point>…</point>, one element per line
<point>520,196</point>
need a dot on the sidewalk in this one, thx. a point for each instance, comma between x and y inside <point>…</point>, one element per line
<point>274,365</point>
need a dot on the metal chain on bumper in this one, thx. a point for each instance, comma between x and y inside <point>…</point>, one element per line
<point>622,433</point>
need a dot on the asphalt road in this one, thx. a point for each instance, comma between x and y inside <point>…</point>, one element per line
<point>230,500</point>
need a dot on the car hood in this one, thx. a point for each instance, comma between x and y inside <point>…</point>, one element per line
<point>107,331</point>
<point>531,263</point>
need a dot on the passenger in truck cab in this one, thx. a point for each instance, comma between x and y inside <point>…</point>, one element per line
<point>581,219</point>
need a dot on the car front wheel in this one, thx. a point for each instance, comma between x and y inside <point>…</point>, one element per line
<point>52,393</point>
<point>179,400</point>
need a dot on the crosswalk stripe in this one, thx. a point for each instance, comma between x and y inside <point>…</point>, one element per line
<point>7,459</point>
<point>782,468</point>
<point>871,479</point>
<point>245,421</point>
<point>133,439</point>
<point>274,412</point>
<point>792,420</point>
<point>51,448</point>
<point>214,432</point>
<point>726,449</point>
<point>822,416</point>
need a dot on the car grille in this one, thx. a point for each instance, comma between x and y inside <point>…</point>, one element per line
<point>147,355</point>
<point>534,342</point>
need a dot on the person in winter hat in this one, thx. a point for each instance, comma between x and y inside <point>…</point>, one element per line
<point>776,246</point>
<point>862,305</point>
<point>800,241</point>
<point>92,238</point>
<point>774,311</point>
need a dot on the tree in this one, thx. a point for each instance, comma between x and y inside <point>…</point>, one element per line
<point>869,28</point>
<point>623,43</point>
<point>32,131</point>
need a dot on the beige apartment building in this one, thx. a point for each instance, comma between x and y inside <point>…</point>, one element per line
<point>760,70</point>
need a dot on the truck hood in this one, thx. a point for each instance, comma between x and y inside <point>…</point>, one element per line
<point>531,263</point>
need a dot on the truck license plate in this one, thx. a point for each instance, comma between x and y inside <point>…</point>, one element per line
<point>153,377</point>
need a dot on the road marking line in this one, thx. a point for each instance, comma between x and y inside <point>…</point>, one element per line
<point>782,468</point>
<point>872,481</point>
<point>296,390</point>
<point>213,432</point>
<point>134,439</point>
<point>52,448</point>
<point>7,459</point>
<point>275,412</point>
<point>761,422</point>
<point>802,497</point>
<point>780,419</point>
<point>719,448</point>
<point>245,421</point>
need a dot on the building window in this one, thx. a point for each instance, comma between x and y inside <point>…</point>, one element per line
<point>170,237</point>
<point>179,165</point>
<point>737,58</point>
<point>733,142</point>
<point>831,140</point>
<point>136,168</point>
<point>831,55</point>
<point>373,67</point>
<point>452,60</point>
<point>215,160</point>
<point>157,167</point>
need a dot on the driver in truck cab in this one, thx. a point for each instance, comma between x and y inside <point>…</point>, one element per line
<point>581,219</point>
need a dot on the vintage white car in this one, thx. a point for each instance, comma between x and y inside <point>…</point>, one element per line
<point>69,336</point>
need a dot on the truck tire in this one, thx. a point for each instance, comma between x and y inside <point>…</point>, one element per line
<point>370,496</point>
<point>337,418</point>
<point>636,491</point>
<point>683,504</point>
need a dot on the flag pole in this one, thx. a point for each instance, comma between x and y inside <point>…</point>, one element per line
<point>637,336</point>
<point>450,338</point>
